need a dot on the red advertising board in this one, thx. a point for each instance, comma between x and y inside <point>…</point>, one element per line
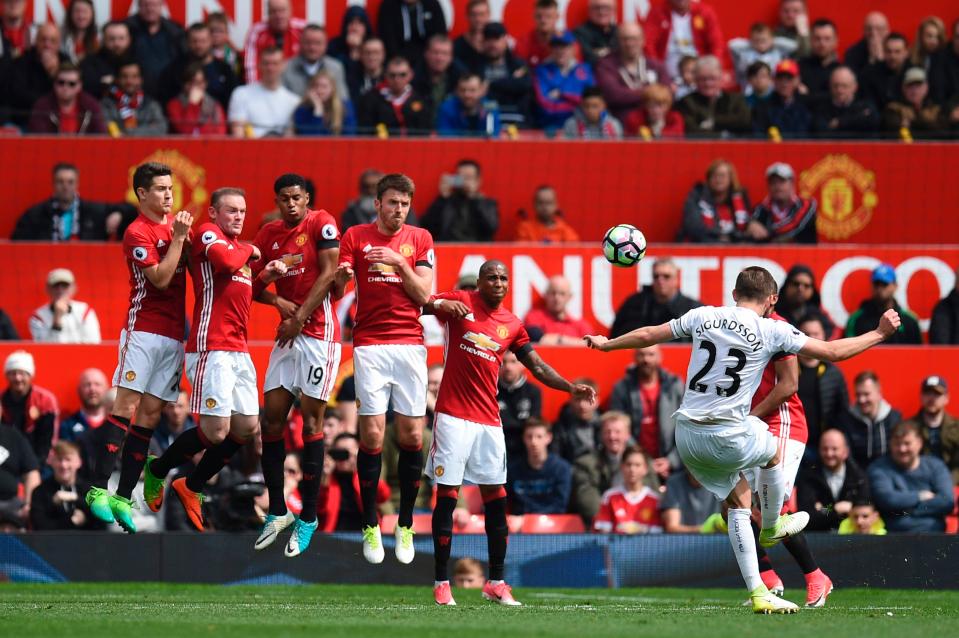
<point>518,14</point>
<point>708,273</point>
<point>868,192</point>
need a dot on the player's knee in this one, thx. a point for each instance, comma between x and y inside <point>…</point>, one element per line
<point>371,438</point>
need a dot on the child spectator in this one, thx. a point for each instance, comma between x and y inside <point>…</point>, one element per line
<point>58,502</point>
<point>591,121</point>
<point>759,78</point>
<point>760,47</point>
<point>632,508</point>
<point>468,574</point>
<point>685,77</point>
<point>539,482</point>
<point>863,519</point>
<point>323,110</point>
<point>655,118</point>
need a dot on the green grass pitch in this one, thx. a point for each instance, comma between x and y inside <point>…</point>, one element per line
<point>148,610</point>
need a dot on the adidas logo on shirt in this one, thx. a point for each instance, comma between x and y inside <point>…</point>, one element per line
<point>276,246</point>
<point>161,244</point>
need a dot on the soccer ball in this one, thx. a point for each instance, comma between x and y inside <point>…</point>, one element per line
<point>624,245</point>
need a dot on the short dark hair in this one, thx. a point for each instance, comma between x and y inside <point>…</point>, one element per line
<point>468,76</point>
<point>903,428</point>
<point>470,162</point>
<point>314,27</point>
<point>398,59</point>
<point>592,91</point>
<point>866,375</point>
<point>634,449</point>
<point>473,3</point>
<point>342,436</point>
<point>812,316</point>
<point>442,37</point>
<point>753,69</point>
<point>534,422</point>
<point>128,62</point>
<point>217,16</point>
<point>822,22</point>
<point>269,51</point>
<point>288,180</point>
<point>198,26</point>
<point>220,193</point>
<point>755,283</point>
<point>547,4</point>
<point>144,175</point>
<point>191,70</point>
<point>397,182</point>
<point>758,27</point>
<point>67,67</point>
<point>333,413</point>
<point>895,35</point>
<point>587,381</point>
<point>115,23</point>
<point>64,166</point>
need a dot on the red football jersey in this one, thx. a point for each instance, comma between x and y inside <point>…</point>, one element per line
<point>619,507</point>
<point>298,247</point>
<point>474,349</point>
<point>223,287</point>
<point>161,312</point>
<point>789,421</point>
<point>384,312</point>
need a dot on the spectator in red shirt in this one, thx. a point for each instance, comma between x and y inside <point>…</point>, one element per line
<point>547,225</point>
<point>194,111</point>
<point>29,408</point>
<point>676,28</point>
<point>656,118</point>
<point>783,216</point>
<point>280,30</point>
<point>338,508</point>
<point>553,323</point>
<point>15,29</point>
<point>649,395</point>
<point>534,47</point>
<point>67,110</point>
<point>632,508</point>
<point>624,74</point>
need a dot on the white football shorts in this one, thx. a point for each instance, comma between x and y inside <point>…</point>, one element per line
<point>308,366</point>
<point>224,383</point>
<point>388,372</point>
<point>150,364</point>
<point>466,451</point>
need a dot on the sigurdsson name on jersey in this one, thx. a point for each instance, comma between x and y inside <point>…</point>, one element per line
<point>731,325</point>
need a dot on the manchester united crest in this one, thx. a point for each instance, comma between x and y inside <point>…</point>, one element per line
<point>846,192</point>
<point>211,403</point>
<point>301,239</point>
<point>406,250</point>
<point>189,181</point>
<point>502,331</point>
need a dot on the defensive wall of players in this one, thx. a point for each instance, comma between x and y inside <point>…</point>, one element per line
<point>874,193</point>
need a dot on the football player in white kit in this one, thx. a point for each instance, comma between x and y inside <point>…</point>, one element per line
<point>715,436</point>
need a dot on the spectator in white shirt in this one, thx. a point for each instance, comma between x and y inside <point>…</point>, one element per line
<point>264,107</point>
<point>64,319</point>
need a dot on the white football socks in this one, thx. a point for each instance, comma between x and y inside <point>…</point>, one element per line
<point>772,492</point>
<point>744,547</point>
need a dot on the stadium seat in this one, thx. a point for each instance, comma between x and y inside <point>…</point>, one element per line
<point>552,524</point>
<point>475,525</point>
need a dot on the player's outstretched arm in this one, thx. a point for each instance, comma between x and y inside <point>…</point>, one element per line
<point>842,349</point>
<point>161,275</point>
<point>787,382</point>
<point>639,338</point>
<point>545,374</point>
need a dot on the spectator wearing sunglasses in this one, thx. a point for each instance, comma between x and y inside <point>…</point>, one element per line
<point>67,110</point>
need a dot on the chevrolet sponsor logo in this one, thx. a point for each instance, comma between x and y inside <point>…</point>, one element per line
<point>292,260</point>
<point>382,269</point>
<point>482,341</point>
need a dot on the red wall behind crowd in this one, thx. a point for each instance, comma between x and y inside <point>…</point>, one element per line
<point>868,192</point>
<point>735,15</point>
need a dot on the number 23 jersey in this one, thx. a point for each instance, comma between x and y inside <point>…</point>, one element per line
<point>731,348</point>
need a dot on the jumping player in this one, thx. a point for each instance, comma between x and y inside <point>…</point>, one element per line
<point>393,267</point>
<point>468,441</point>
<point>716,438</point>
<point>777,403</point>
<point>151,345</point>
<point>218,363</point>
<point>306,356</point>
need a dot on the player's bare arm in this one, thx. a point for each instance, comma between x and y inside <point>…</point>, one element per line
<point>417,282</point>
<point>787,383</point>
<point>639,338</point>
<point>292,326</point>
<point>843,349</point>
<point>284,306</point>
<point>545,374</point>
<point>341,278</point>
<point>161,274</point>
<point>452,307</point>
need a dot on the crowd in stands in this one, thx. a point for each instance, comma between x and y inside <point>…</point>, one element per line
<point>674,75</point>
<point>614,465</point>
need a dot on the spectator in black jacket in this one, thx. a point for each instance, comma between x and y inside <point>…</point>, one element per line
<point>822,389</point>
<point>462,212</point>
<point>869,49</point>
<point>816,68</point>
<point>649,395</point>
<point>841,114</point>
<point>19,475</point>
<point>883,298</point>
<point>827,490</point>
<point>468,47</point>
<point>364,76</point>
<point>99,70</point>
<point>944,70</point>
<point>597,36</point>
<point>881,82</point>
<point>784,216</point>
<point>31,75</point>
<point>716,210</point>
<point>868,422</point>
<point>406,25</point>
<point>944,326</point>
<point>65,216</point>
<point>654,304</point>
<point>436,75</point>
<point>519,401</point>
<point>58,502</point>
<point>576,431</point>
<point>507,77</point>
<point>799,299</point>
<point>7,330</point>
<point>397,105</point>
<point>786,109</point>
<point>538,481</point>
<point>221,78</point>
<point>355,29</point>
<point>158,42</point>
<point>709,111</point>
